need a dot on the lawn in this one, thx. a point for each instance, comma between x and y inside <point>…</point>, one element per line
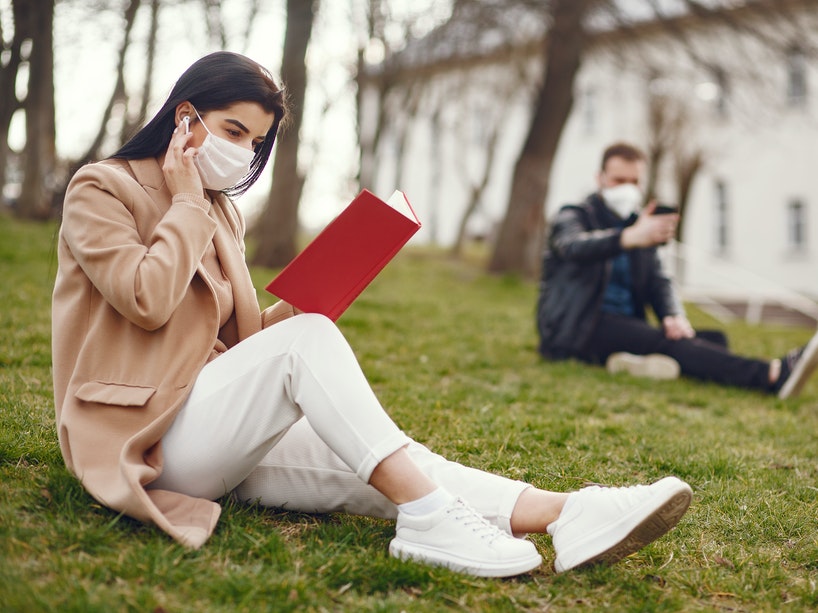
<point>451,353</point>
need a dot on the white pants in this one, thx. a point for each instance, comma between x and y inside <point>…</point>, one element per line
<point>287,418</point>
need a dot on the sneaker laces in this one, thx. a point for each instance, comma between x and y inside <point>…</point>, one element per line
<point>464,514</point>
<point>622,497</point>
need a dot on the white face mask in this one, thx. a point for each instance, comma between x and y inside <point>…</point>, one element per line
<point>221,164</point>
<point>623,199</point>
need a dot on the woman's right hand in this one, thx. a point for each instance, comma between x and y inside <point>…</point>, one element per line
<point>181,174</point>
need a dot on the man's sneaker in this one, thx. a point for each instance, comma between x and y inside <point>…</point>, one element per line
<point>459,538</point>
<point>796,368</point>
<point>605,524</point>
<point>652,366</point>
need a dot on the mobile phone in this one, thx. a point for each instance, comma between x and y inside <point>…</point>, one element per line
<point>665,209</point>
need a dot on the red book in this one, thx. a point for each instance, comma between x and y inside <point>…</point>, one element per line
<point>342,260</point>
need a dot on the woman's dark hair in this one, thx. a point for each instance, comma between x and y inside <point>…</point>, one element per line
<point>213,83</point>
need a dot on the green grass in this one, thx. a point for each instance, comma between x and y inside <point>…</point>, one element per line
<point>451,353</point>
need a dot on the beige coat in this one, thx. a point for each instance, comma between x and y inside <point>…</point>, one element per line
<point>134,320</point>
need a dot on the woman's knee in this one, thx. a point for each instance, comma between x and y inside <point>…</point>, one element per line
<point>318,332</point>
<point>317,321</point>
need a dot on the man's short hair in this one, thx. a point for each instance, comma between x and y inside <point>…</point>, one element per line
<point>622,150</point>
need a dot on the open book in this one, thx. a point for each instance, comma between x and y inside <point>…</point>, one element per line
<point>342,260</point>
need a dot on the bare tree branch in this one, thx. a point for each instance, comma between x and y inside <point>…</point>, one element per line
<point>215,24</point>
<point>129,125</point>
<point>477,189</point>
<point>119,95</point>
<point>252,13</point>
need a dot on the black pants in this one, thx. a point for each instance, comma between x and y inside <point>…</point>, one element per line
<point>705,357</point>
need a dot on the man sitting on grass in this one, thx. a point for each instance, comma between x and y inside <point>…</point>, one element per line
<point>600,272</point>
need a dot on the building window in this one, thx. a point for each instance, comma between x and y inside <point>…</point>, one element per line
<point>797,226</point>
<point>721,221</point>
<point>796,76</point>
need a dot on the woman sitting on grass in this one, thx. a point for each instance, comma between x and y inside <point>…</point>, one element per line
<point>172,389</point>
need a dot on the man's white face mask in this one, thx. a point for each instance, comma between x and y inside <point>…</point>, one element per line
<point>623,199</point>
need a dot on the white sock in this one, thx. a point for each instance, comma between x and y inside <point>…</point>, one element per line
<point>429,503</point>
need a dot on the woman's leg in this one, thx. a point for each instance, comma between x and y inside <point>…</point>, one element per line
<point>595,524</point>
<point>301,473</point>
<point>244,401</point>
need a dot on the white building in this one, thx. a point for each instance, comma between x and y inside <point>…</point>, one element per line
<point>745,99</point>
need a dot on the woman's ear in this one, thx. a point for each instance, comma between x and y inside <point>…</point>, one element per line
<point>183,109</point>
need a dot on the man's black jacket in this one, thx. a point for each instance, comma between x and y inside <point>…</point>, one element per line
<point>582,243</point>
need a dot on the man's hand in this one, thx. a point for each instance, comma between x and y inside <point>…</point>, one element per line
<point>677,327</point>
<point>649,230</point>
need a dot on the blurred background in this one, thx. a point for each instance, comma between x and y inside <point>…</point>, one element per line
<point>488,114</point>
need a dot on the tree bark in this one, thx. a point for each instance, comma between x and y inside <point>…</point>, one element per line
<point>277,226</point>
<point>476,191</point>
<point>687,168</point>
<point>131,124</point>
<point>521,232</point>
<point>40,155</point>
<point>119,95</point>
<point>9,104</point>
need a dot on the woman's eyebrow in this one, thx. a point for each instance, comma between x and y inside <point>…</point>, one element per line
<point>242,127</point>
<point>239,125</point>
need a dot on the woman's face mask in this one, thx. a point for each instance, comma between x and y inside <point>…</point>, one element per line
<point>623,199</point>
<point>221,164</point>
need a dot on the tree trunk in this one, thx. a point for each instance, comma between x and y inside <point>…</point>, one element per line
<point>277,226</point>
<point>40,155</point>
<point>215,24</point>
<point>119,95</point>
<point>476,191</point>
<point>521,232</point>
<point>131,124</point>
<point>9,103</point>
<point>369,131</point>
<point>687,167</point>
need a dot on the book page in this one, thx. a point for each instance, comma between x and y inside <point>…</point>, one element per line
<point>399,202</point>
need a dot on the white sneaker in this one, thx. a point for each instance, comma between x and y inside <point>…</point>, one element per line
<point>605,524</point>
<point>652,366</point>
<point>796,368</point>
<point>459,538</point>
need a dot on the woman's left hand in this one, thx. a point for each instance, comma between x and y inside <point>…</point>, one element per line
<point>280,311</point>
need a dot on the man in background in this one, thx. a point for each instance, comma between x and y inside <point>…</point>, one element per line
<point>601,272</point>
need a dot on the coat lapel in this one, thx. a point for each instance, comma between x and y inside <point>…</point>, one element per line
<point>228,247</point>
<point>149,174</point>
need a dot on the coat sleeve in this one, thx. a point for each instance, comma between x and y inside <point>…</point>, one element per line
<point>278,312</point>
<point>572,239</point>
<point>142,272</point>
<point>662,295</point>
